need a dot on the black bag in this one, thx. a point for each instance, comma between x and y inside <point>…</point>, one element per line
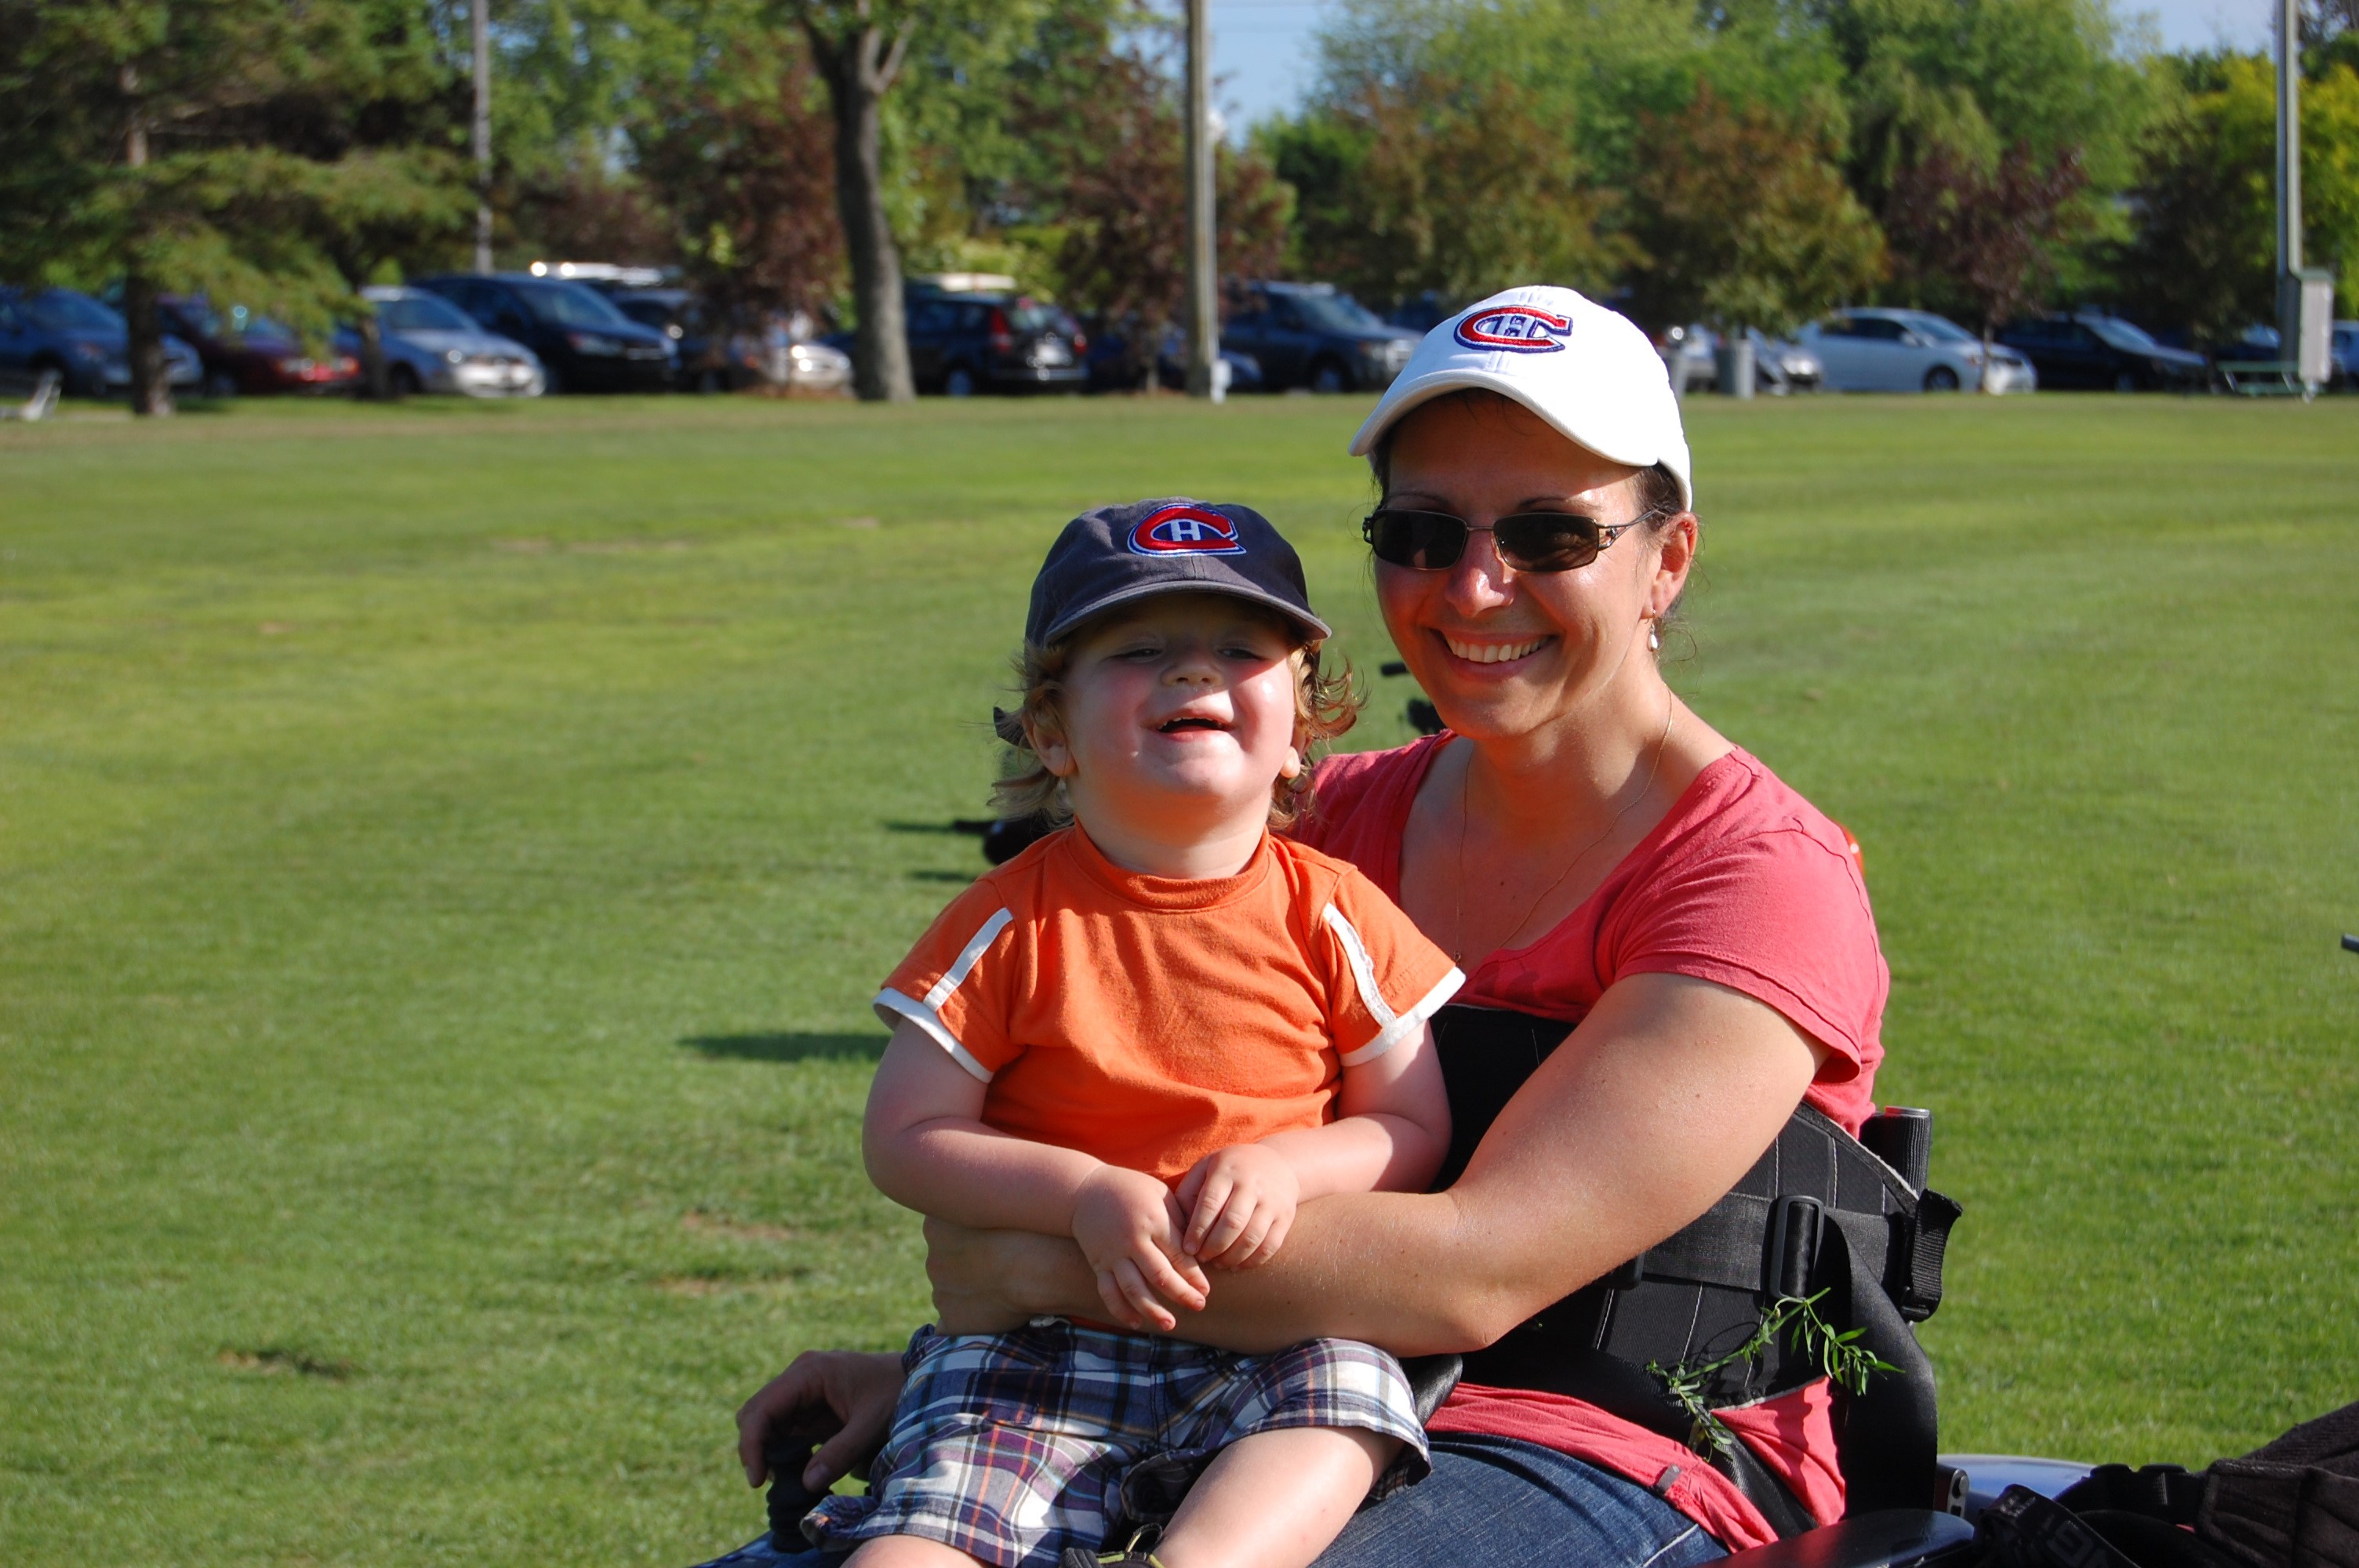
<point>2293,1503</point>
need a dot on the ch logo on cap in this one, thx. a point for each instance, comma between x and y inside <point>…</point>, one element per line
<point>1517,329</point>
<point>1185,530</point>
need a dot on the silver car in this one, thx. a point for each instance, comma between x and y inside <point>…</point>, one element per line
<point>431,345</point>
<point>1910,351</point>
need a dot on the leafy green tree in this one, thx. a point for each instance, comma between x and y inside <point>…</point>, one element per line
<point>1442,186</point>
<point>212,146</point>
<point>2201,253</point>
<point>1745,219</point>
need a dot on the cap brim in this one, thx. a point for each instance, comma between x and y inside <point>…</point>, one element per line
<point>1064,624</point>
<point>1402,400</point>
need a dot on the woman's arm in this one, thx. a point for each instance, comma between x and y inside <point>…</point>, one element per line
<point>1650,1110</point>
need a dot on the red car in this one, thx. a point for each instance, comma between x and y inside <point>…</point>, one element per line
<point>244,352</point>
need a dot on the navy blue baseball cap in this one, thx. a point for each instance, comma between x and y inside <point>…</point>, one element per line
<point>1114,555</point>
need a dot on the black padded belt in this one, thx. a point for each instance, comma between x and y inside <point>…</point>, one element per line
<point>1817,1211</point>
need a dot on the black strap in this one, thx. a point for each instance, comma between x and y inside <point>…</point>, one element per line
<point>1888,1438</point>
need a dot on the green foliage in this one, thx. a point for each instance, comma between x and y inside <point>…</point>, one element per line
<point>268,154</point>
<point>1837,1352</point>
<point>1745,220</point>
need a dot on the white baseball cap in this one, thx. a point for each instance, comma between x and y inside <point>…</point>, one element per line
<point>1588,370</point>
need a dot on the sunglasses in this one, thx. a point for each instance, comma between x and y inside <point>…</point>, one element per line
<point>1528,541</point>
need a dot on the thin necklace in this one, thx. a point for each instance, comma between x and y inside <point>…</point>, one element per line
<point>1458,917</point>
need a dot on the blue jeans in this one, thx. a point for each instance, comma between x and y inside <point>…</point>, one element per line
<point>1505,1503</point>
<point>1490,1500</point>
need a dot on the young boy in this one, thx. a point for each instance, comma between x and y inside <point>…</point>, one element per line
<point>1155,1032</point>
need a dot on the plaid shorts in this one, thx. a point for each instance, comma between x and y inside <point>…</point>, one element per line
<point>1011,1448</point>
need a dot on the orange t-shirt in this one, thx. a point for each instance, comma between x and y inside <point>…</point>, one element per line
<point>1149,1021</point>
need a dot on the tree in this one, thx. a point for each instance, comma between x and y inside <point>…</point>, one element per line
<point>204,146</point>
<point>743,162</point>
<point>1105,183</point>
<point>1984,236</point>
<point>1744,219</point>
<point>2201,252</point>
<point>1444,185</point>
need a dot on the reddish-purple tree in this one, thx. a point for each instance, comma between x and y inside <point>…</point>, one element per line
<point>1984,235</point>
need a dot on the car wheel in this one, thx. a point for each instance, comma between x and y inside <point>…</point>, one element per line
<point>959,382</point>
<point>220,384</point>
<point>1940,378</point>
<point>403,381</point>
<point>711,381</point>
<point>2127,382</point>
<point>1329,376</point>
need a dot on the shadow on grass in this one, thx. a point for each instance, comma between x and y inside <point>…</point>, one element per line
<point>794,1046</point>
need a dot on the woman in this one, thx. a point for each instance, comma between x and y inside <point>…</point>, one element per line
<point>1590,851</point>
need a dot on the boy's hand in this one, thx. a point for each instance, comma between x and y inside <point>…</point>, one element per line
<point>1241,1204</point>
<point>1128,1228</point>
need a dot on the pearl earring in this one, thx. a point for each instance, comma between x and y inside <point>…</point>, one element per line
<point>1654,635</point>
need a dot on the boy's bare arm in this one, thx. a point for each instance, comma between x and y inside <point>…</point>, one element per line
<point>1390,1134</point>
<point>927,1149</point>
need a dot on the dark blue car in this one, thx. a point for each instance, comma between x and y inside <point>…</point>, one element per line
<point>583,343</point>
<point>86,342</point>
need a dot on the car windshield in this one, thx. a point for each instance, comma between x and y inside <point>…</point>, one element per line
<point>2122,335</point>
<point>421,313</point>
<point>1337,313</point>
<point>64,312</point>
<point>571,305</point>
<point>1941,329</point>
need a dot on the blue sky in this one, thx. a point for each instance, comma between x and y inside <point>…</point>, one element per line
<point>1265,47</point>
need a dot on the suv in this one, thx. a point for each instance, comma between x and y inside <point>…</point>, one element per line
<point>2091,350</point>
<point>965,342</point>
<point>1308,334</point>
<point>582,341</point>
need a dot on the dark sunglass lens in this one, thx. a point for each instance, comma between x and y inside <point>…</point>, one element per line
<point>1426,541</point>
<point>1547,541</point>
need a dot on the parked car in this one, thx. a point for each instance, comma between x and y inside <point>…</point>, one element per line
<point>583,343</point>
<point>962,342</point>
<point>1690,355</point>
<point>1308,334</point>
<point>2345,347</point>
<point>2090,349</point>
<point>86,342</point>
<point>249,353</point>
<point>431,345</point>
<point>1909,351</point>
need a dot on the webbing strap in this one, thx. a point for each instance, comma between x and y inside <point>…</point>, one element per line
<point>1889,1437</point>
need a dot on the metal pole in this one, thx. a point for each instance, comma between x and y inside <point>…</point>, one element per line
<point>2289,178</point>
<point>1204,262</point>
<point>482,136</point>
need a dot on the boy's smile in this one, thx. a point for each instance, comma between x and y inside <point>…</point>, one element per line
<point>1179,717</point>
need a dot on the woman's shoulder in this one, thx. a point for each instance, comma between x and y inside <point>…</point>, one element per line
<point>1361,798</point>
<point>1737,802</point>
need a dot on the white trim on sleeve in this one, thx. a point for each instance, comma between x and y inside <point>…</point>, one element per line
<point>891,1004</point>
<point>1392,1027</point>
<point>968,957</point>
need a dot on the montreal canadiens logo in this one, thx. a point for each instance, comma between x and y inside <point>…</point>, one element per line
<point>1517,331</point>
<point>1191,530</point>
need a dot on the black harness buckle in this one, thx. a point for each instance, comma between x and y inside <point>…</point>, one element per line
<point>1790,1247</point>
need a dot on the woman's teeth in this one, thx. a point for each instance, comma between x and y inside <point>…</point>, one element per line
<point>1493,652</point>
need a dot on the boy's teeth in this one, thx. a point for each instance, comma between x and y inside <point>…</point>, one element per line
<point>1493,652</point>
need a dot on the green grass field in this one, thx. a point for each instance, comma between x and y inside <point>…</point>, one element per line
<point>445,853</point>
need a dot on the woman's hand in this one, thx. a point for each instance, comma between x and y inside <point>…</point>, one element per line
<point>1128,1227</point>
<point>860,1389</point>
<point>1240,1202</point>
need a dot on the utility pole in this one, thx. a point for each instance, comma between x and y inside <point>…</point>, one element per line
<point>1203,261</point>
<point>2288,180</point>
<point>482,136</point>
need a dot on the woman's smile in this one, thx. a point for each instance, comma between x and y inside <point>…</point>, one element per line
<point>1492,650</point>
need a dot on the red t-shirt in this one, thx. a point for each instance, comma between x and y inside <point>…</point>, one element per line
<point>1744,883</point>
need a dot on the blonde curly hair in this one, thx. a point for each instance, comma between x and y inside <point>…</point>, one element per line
<point>1325,706</point>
